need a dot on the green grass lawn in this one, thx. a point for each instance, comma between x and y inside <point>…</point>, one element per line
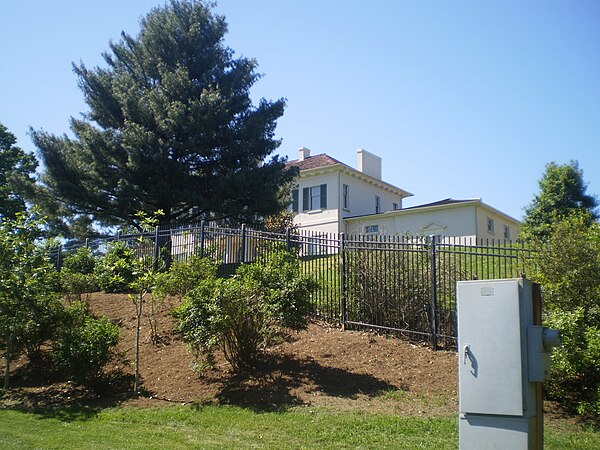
<point>234,427</point>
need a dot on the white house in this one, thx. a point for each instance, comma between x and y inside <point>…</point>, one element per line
<point>468,219</point>
<point>328,191</point>
<point>332,197</point>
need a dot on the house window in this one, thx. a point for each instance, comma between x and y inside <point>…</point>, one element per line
<point>346,196</point>
<point>314,198</point>
<point>395,206</point>
<point>490,225</point>
<point>506,232</point>
<point>377,204</point>
<point>293,206</point>
<point>371,229</point>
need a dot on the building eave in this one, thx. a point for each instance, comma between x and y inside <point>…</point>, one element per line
<point>341,167</point>
<point>419,209</point>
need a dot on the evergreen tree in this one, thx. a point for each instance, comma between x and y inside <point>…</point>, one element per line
<point>171,127</point>
<point>562,192</point>
<point>16,168</point>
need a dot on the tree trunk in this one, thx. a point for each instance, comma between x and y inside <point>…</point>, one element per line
<point>7,357</point>
<point>138,311</point>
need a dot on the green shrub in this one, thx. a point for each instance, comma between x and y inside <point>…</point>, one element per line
<point>114,271</point>
<point>40,319</point>
<point>183,276</point>
<point>84,345</point>
<point>576,365</point>
<point>81,261</point>
<point>243,314</point>
<point>568,262</point>
<point>77,275</point>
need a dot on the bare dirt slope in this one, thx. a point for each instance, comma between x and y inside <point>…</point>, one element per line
<point>321,366</point>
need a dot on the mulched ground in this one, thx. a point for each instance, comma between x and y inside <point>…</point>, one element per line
<point>322,366</point>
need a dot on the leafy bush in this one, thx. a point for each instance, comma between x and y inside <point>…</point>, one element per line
<point>576,365</point>
<point>39,320</point>
<point>85,345</point>
<point>81,261</point>
<point>114,271</point>
<point>29,306</point>
<point>569,271</point>
<point>244,313</point>
<point>77,275</point>
<point>183,276</point>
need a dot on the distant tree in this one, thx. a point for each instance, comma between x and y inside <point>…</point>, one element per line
<point>16,169</point>
<point>171,127</point>
<point>562,192</point>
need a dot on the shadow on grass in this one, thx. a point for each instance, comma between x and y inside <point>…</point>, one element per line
<point>270,385</point>
<point>66,401</point>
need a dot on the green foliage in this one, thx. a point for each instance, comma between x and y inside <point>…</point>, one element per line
<point>569,272</point>
<point>77,275</point>
<point>183,276</point>
<point>244,313</point>
<point>171,126</point>
<point>16,170</point>
<point>29,306</point>
<point>85,345</point>
<point>114,272</point>
<point>576,365</point>
<point>562,192</point>
<point>81,261</point>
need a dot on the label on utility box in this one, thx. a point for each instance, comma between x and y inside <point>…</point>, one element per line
<point>487,291</point>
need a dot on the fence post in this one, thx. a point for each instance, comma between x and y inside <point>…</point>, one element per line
<point>342,248</point>
<point>288,240</point>
<point>243,244</point>
<point>202,225</point>
<point>433,292</point>
<point>156,248</point>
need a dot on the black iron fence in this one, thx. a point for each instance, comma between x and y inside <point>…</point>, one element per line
<point>394,284</point>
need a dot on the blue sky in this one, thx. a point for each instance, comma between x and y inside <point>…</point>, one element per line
<point>460,99</point>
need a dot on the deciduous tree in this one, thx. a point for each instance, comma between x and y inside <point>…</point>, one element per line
<point>562,192</point>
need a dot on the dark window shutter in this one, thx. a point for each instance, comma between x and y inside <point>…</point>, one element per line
<point>323,196</point>
<point>295,200</point>
<point>305,199</point>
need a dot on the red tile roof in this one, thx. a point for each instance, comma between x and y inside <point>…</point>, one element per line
<point>314,162</point>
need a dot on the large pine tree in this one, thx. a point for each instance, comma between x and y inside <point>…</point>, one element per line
<point>170,127</point>
<point>16,174</point>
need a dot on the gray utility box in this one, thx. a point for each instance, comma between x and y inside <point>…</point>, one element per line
<point>503,354</point>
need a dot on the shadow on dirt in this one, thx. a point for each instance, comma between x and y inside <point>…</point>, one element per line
<point>271,385</point>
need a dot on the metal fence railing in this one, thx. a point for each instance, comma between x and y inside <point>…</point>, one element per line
<point>394,284</point>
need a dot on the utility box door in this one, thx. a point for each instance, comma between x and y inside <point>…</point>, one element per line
<point>490,347</point>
